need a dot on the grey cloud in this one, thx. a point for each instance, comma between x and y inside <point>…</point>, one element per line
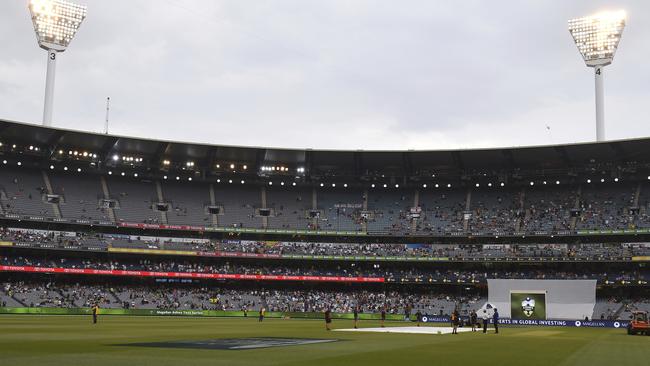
<point>330,74</point>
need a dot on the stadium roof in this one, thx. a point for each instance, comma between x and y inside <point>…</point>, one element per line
<point>407,163</point>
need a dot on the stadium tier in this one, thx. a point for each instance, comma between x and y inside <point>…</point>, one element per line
<point>61,176</point>
<point>71,196</point>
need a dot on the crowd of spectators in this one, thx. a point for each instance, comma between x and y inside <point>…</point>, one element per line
<point>71,295</point>
<point>489,210</point>
<point>71,240</point>
<point>384,270</point>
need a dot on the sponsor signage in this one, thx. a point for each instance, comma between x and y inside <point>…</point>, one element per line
<point>236,229</point>
<point>151,251</point>
<point>541,322</point>
<point>196,275</point>
<point>270,256</point>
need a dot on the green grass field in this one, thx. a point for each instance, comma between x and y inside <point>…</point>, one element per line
<point>74,341</point>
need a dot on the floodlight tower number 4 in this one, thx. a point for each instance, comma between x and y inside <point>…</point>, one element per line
<point>597,37</point>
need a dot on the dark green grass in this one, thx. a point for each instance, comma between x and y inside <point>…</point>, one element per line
<point>74,341</point>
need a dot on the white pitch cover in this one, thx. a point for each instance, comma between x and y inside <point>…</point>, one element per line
<point>565,299</point>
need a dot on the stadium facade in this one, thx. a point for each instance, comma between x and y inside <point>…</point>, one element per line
<point>149,224</point>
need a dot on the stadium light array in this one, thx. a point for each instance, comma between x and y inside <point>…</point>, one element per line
<point>55,22</point>
<point>597,37</point>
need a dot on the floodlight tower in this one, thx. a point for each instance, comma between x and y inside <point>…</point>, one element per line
<point>597,38</point>
<point>55,23</point>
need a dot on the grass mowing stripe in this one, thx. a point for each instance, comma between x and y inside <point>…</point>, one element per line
<point>72,340</point>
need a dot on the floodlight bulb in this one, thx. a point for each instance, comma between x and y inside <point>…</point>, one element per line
<point>56,22</point>
<point>597,36</point>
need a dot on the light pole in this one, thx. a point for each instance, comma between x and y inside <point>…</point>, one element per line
<point>55,23</point>
<point>597,38</point>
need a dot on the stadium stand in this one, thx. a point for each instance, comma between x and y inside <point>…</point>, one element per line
<point>23,192</point>
<point>136,199</point>
<point>239,206</point>
<point>81,196</point>
<point>187,203</point>
<point>442,212</point>
<point>548,209</point>
<point>389,211</point>
<point>495,210</point>
<point>606,206</point>
<point>290,207</point>
<point>66,294</point>
<point>341,209</point>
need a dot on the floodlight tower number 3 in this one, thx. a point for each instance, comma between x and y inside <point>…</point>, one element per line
<point>55,22</point>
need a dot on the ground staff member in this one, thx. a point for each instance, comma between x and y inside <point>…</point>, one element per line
<point>328,319</point>
<point>95,310</point>
<point>495,319</point>
<point>473,320</point>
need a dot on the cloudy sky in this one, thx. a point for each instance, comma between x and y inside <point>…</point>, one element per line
<point>348,74</point>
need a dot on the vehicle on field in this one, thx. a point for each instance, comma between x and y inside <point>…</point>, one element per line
<point>639,323</point>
